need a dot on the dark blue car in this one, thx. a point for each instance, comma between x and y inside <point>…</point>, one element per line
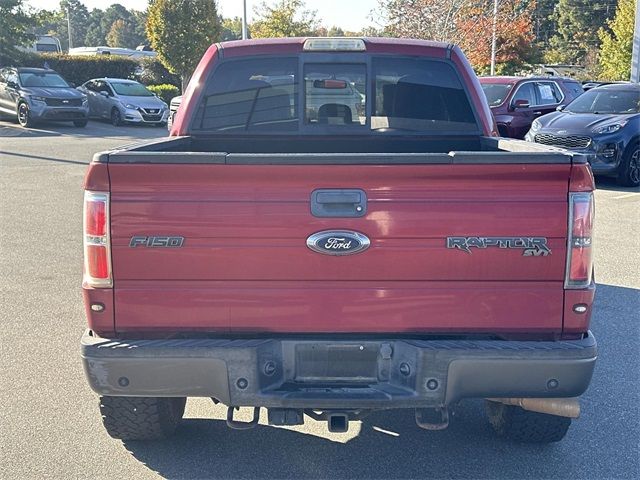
<point>603,122</point>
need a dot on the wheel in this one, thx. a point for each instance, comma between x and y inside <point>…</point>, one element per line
<point>521,425</point>
<point>24,115</point>
<point>141,418</point>
<point>81,123</point>
<point>629,169</point>
<point>116,117</point>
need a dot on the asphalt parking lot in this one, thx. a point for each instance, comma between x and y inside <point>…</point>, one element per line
<point>49,420</point>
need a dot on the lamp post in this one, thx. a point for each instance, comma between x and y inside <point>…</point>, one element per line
<point>69,25</point>
<point>493,37</point>
<point>244,19</point>
<point>635,56</point>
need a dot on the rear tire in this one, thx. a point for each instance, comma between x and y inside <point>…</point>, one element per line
<point>141,418</point>
<point>116,117</point>
<point>24,115</point>
<point>524,426</point>
<point>629,169</point>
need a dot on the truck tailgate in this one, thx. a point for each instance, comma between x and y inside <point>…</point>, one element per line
<point>245,265</point>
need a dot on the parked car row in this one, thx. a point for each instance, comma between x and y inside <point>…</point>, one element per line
<point>603,121</point>
<point>31,95</point>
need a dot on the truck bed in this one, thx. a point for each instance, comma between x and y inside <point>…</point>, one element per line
<point>244,265</point>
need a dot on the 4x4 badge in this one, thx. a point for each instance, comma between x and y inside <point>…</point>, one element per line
<point>531,246</point>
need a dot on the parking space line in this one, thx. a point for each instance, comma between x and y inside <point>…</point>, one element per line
<point>626,195</point>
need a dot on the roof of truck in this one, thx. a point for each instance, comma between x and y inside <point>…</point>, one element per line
<point>373,44</point>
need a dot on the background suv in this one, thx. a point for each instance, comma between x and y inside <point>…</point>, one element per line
<point>34,94</point>
<point>605,123</point>
<point>124,101</point>
<point>516,101</point>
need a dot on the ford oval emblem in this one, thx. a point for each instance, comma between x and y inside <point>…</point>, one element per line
<point>338,242</point>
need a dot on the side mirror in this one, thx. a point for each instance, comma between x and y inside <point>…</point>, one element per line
<point>72,85</point>
<point>520,103</point>
<point>104,94</point>
<point>560,108</point>
<point>11,84</point>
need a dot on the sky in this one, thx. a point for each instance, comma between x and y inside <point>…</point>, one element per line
<point>348,14</point>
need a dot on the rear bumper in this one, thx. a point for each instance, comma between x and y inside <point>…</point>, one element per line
<point>338,374</point>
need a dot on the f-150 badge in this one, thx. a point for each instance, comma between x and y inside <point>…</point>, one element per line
<point>155,241</point>
<point>530,246</point>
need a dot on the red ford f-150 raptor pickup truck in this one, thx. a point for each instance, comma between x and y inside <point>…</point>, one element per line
<point>334,228</point>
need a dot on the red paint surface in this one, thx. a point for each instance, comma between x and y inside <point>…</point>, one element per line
<point>581,179</point>
<point>97,177</point>
<point>335,306</point>
<point>245,265</point>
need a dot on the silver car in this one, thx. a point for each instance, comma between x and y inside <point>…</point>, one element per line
<point>124,101</point>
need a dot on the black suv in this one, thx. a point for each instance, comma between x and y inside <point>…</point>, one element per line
<point>33,94</point>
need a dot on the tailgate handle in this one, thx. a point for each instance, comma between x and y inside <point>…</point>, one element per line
<point>338,203</point>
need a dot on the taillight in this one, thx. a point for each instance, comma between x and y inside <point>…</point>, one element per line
<point>97,253</point>
<point>580,241</point>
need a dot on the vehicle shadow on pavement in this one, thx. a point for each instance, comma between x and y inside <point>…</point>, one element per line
<point>95,128</point>
<point>39,157</point>
<point>390,445</point>
<point>17,131</point>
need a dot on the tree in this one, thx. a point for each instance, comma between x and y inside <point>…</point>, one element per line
<point>514,35</point>
<point>181,31</point>
<point>122,34</point>
<point>467,23</point>
<point>112,14</point>
<point>335,32</point>
<point>615,52</point>
<point>79,23</point>
<point>14,22</point>
<point>139,20</point>
<point>95,34</point>
<point>428,19</point>
<point>231,28</point>
<point>287,18</point>
<point>116,26</point>
<point>577,25</point>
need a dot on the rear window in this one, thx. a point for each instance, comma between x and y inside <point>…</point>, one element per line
<point>250,95</point>
<point>419,95</point>
<point>387,95</point>
<point>496,93</point>
<point>574,87</point>
<point>335,94</point>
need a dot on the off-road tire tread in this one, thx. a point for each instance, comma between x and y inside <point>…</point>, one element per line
<point>141,418</point>
<point>524,426</point>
